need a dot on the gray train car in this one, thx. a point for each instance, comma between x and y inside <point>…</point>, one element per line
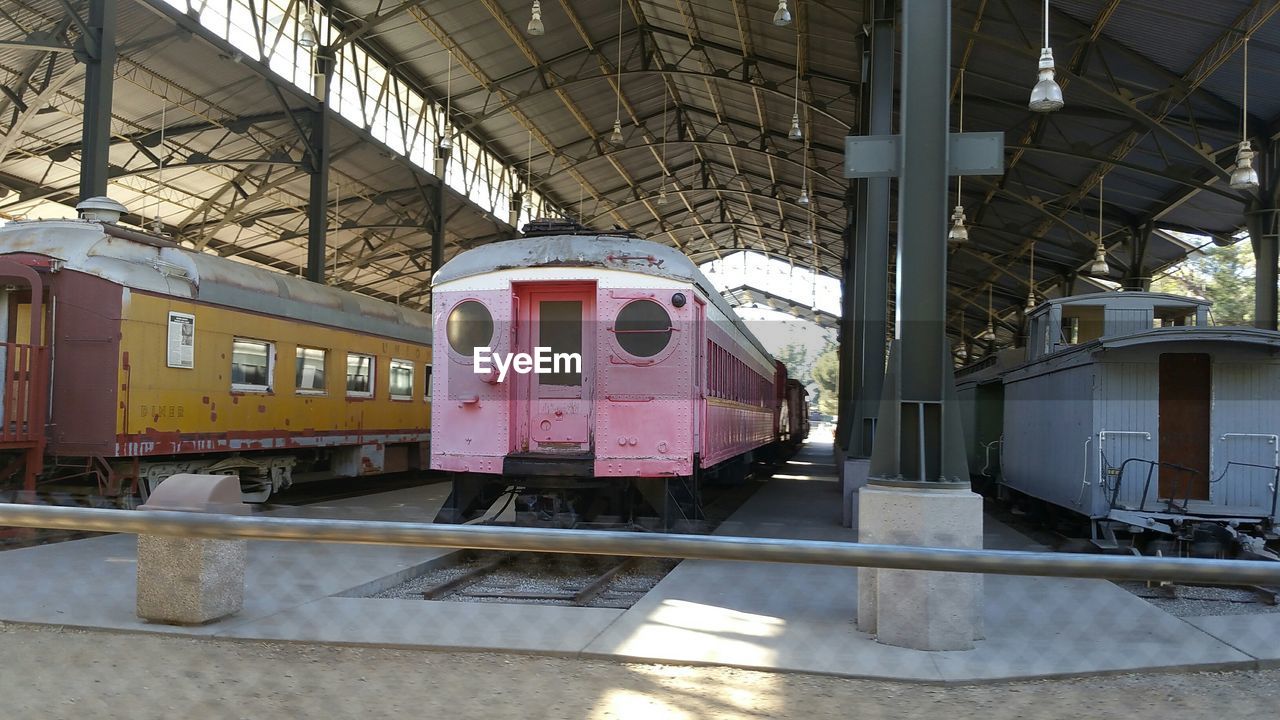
<point>1131,410</point>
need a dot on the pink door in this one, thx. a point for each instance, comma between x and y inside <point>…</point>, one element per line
<point>555,415</point>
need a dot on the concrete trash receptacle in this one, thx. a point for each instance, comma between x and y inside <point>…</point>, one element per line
<point>191,581</point>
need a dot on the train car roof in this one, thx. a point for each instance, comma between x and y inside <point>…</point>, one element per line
<point>1124,298</point>
<point>151,264</point>
<point>601,250</point>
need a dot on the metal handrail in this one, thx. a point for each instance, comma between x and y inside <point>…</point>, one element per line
<point>703,547</point>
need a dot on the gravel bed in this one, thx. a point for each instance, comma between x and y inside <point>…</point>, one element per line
<point>523,577</point>
<point>1193,601</point>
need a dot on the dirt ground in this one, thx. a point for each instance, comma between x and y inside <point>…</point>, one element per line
<point>59,673</point>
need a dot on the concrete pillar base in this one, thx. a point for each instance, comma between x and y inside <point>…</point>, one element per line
<point>853,475</point>
<point>189,581</point>
<point>911,608</point>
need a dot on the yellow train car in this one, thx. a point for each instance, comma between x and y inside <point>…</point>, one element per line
<point>140,359</point>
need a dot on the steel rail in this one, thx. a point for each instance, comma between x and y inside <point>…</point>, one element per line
<point>593,542</point>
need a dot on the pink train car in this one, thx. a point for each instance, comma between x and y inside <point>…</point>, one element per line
<point>671,390</point>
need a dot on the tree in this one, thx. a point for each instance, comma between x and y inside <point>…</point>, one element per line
<point>796,357</point>
<point>1222,275</point>
<point>826,374</point>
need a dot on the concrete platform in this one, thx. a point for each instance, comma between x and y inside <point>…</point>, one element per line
<point>753,615</point>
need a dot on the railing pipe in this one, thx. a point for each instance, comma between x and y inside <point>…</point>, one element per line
<point>702,547</point>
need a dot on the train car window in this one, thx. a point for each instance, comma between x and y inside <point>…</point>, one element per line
<point>469,326</point>
<point>560,328</point>
<point>309,378</point>
<point>426,383</point>
<point>251,365</point>
<point>643,328</point>
<point>359,375</point>
<point>401,380</point>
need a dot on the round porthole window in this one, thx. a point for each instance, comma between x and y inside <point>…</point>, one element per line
<point>470,326</point>
<point>643,328</point>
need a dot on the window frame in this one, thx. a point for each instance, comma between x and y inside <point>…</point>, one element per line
<point>267,389</point>
<point>324,364</point>
<point>373,375</point>
<point>426,381</point>
<point>391,369</point>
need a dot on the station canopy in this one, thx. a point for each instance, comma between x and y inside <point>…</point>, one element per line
<point>214,100</point>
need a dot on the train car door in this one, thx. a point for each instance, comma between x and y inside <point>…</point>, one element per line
<point>557,407</point>
<point>1185,404</point>
<point>698,357</point>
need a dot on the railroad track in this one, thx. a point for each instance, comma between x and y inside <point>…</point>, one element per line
<point>573,580</point>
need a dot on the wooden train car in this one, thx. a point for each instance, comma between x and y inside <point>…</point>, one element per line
<point>129,358</point>
<point>1129,410</point>
<point>672,389</point>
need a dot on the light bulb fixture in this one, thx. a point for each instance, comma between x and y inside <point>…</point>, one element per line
<point>446,137</point>
<point>307,36</point>
<point>1244,177</point>
<point>795,133</point>
<point>535,19</point>
<point>959,233</point>
<point>782,16</point>
<point>616,138</point>
<point>804,194</point>
<point>1031,281</point>
<point>1099,265</point>
<point>989,333</point>
<point>662,193</point>
<point>1046,96</point>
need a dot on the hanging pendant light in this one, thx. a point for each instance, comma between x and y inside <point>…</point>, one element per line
<point>1243,176</point>
<point>1099,266</point>
<point>989,333</point>
<point>307,36</point>
<point>1046,96</point>
<point>796,133</point>
<point>662,193</point>
<point>616,137</point>
<point>535,19</point>
<point>782,16</point>
<point>1031,281</point>
<point>804,194</point>
<point>959,233</point>
<point>446,137</point>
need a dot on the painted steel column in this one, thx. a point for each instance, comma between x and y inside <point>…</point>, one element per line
<point>1262,219</point>
<point>1263,224</point>
<point>921,444</point>
<point>848,309</point>
<point>437,209</point>
<point>872,254</point>
<point>318,164</point>
<point>99,56</point>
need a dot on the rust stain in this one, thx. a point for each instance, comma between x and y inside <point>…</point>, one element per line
<point>205,399</point>
<point>213,417</point>
<point>286,422</point>
<point>235,399</point>
<point>262,408</point>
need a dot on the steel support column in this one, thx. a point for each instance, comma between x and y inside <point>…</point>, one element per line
<point>437,209</point>
<point>917,437</point>
<point>1262,219</point>
<point>98,48</point>
<point>318,165</point>
<point>871,254</point>
<point>1263,224</point>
